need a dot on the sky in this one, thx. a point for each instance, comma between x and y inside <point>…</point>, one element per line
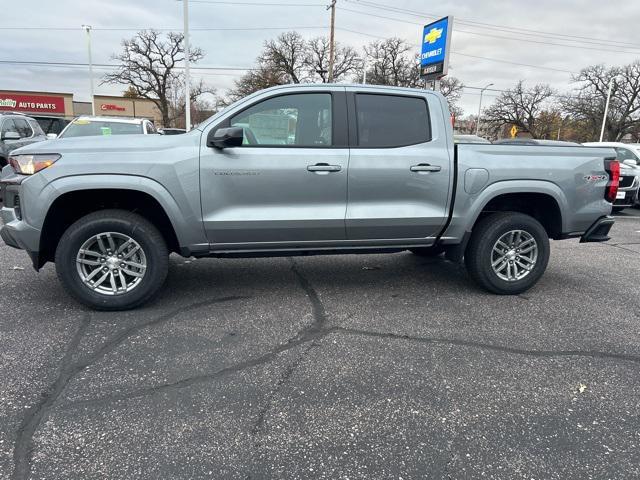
<point>498,42</point>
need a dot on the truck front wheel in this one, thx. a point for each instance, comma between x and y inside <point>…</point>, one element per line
<point>507,253</point>
<point>112,260</point>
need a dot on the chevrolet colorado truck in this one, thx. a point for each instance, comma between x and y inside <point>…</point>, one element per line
<point>299,170</point>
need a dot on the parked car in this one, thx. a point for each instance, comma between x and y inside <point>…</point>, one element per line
<point>17,130</point>
<point>51,125</point>
<point>171,131</point>
<point>629,155</point>
<point>106,126</point>
<point>535,141</point>
<point>335,169</point>
<point>469,139</point>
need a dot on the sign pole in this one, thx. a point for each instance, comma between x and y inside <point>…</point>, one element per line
<point>87,28</point>
<point>606,107</point>
<point>187,79</point>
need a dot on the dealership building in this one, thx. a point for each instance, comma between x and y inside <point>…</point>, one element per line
<point>63,105</point>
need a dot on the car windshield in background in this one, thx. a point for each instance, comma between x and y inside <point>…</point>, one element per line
<point>89,128</point>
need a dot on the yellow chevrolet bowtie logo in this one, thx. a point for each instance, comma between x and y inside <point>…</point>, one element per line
<point>433,35</point>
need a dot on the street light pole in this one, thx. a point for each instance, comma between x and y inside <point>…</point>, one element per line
<point>187,80</point>
<point>606,107</point>
<point>480,108</point>
<point>87,28</point>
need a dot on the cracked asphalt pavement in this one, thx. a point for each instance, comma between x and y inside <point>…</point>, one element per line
<point>348,367</point>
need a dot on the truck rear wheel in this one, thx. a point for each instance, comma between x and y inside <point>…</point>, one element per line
<point>507,253</point>
<point>112,260</point>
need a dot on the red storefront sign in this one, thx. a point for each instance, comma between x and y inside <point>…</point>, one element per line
<point>110,106</point>
<point>31,103</point>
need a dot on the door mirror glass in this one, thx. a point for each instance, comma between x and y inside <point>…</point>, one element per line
<point>225,137</point>
<point>10,136</point>
<point>52,136</point>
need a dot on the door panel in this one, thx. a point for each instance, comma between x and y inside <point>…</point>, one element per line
<point>286,184</point>
<point>397,191</point>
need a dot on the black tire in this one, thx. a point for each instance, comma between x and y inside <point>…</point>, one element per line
<point>486,233</point>
<point>119,221</point>
<point>427,251</point>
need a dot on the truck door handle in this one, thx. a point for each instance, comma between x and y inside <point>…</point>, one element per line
<point>425,167</point>
<point>323,168</point>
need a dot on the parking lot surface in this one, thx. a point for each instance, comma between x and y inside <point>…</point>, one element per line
<point>370,366</point>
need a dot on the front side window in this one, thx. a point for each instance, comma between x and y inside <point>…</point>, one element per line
<point>23,127</point>
<point>9,126</point>
<point>297,120</point>
<point>391,120</point>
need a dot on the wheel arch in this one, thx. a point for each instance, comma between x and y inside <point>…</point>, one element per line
<point>70,198</point>
<point>544,201</point>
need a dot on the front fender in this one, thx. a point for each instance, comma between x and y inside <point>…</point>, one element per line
<point>186,223</point>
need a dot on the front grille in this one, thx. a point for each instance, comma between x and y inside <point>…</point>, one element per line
<point>626,181</point>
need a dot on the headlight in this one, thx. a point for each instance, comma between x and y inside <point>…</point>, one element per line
<point>30,164</point>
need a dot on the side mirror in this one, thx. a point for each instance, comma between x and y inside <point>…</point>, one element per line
<point>52,136</point>
<point>630,161</point>
<point>225,137</point>
<point>10,136</point>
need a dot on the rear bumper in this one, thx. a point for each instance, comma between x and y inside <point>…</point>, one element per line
<point>599,231</point>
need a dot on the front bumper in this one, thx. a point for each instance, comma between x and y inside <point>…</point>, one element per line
<point>16,232</point>
<point>599,230</point>
<point>628,200</point>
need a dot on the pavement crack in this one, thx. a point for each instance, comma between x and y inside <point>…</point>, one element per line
<point>489,346</point>
<point>34,416</point>
<point>68,370</point>
<point>197,379</point>
<point>282,381</point>
<point>314,331</point>
<point>317,307</point>
<point>116,340</point>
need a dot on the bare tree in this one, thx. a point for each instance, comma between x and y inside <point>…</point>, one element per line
<point>346,60</point>
<point>148,67</point>
<point>522,107</point>
<point>286,56</point>
<point>451,88</point>
<point>252,81</point>
<point>390,62</point>
<point>586,105</point>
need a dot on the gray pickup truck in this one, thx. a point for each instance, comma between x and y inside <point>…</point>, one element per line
<point>299,170</point>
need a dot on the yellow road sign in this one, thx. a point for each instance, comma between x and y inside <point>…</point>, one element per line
<point>513,131</point>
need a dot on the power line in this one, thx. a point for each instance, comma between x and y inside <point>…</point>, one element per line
<point>483,34</point>
<point>110,65</point>
<point>260,4</point>
<point>490,25</point>
<point>468,55</point>
<point>202,29</point>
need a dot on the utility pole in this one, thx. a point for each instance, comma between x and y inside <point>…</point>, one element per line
<point>480,108</point>
<point>187,80</point>
<point>364,68</point>
<point>87,28</point>
<point>606,107</point>
<point>332,39</point>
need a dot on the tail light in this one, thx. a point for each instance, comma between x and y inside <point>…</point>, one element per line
<point>613,169</point>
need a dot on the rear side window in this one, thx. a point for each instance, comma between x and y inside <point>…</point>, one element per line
<point>391,120</point>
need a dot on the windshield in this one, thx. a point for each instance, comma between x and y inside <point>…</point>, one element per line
<point>88,128</point>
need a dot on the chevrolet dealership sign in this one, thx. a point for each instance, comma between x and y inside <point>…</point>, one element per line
<point>434,57</point>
